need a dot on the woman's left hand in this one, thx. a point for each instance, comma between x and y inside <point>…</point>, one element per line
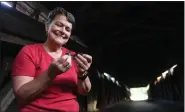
<point>84,62</point>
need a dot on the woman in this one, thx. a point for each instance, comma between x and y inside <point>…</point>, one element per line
<point>45,79</point>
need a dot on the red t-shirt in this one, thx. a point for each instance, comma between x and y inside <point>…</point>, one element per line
<point>60,96</point>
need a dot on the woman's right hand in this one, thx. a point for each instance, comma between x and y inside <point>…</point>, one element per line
<point>60,65</point>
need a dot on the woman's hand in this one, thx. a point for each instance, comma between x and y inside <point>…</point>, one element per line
<point>59,66</point>
<point>84,62</point>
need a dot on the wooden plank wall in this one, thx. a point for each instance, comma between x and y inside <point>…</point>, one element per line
<point>14,39</point>
<point>6,93</point>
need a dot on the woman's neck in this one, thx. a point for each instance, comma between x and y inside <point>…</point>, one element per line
<point>52,47</point>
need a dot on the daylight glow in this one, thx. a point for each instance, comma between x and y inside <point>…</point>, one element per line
<point>164,74</point>
<point>139,94</point>
<point>117,83</point>
<point>172,69</point>
<point>158,78</point>
<point>113,79</point>
<point>155,82</point>
<point>174,66</point>
<point>6,3</point>
<point>107,75</point>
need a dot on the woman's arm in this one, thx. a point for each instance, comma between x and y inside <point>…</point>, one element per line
<point>84,86</point>
<point>27,88</point>
<point>25,85</point>
<point>84,62</point>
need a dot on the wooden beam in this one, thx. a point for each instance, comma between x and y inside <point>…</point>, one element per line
<point>14,39</point>
<point>35,13</point>
<point>14,4</point>
<point>30,8</point>
<point>77,40</point>
<point>24,8</point>
<point>37,5</point>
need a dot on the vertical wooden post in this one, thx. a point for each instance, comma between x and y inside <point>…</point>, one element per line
<point>14,4</point>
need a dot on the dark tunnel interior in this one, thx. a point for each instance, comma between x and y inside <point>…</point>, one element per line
<point>133,44</point>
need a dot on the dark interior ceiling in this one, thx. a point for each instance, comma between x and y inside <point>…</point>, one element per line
<point>132,41</point>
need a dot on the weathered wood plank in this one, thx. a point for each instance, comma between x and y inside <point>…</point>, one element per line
<point>14,39</point>
<point>77,40</point>
<point>6,96</point>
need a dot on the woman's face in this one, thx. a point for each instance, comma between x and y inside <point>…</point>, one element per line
<point>59,30</point>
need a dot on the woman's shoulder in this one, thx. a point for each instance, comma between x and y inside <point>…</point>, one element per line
<point>31,49</point>
<point>33,46</point>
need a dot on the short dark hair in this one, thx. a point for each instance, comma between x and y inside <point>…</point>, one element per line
<point>60,10</point>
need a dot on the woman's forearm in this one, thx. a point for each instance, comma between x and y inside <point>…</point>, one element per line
<point>84,86</point>
<point>31,90</point>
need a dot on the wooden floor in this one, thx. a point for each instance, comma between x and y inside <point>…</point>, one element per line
<point>145,106</point>
<point>139,106</point>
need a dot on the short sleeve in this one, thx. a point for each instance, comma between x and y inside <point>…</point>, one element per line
<point>23,64</point>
